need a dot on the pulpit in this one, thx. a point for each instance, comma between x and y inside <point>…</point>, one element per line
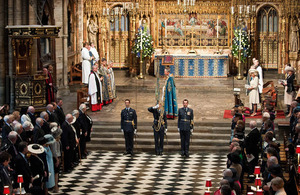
<point>194,66</point>
<point>29,81</point>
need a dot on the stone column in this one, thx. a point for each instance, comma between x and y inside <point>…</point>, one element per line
<point>80,25</point>
<point>10,92</point>
<point>3,50</point>
<point>61,45</point>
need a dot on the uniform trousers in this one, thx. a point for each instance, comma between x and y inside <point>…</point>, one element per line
<point>128,135</point>
<point>185,141</point>
<point>159,140</point>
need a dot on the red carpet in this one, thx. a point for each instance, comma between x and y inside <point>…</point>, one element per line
<point>280,114</point>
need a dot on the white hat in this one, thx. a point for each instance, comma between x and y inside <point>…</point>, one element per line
<point>289,68</point>
<point>253,71</point>
<point>36,149</point>
<point>266,115</point>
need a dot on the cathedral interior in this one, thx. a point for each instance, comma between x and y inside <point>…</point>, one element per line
<point>209,46</point>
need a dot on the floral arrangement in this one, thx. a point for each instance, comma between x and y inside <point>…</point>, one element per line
<point>241,41</point>
<point>143,41</point>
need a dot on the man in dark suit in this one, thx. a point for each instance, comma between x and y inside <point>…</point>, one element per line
<point>86,125</point>
<point>128,126</point>
<point>30,113</point>
<point>38,132</point>
<point>68,142</point>
<point>46,126</point>
<point>4,172</point>
<point>185,127</point>
<point>159,127</point>
<point>252,141</point>
<point>9,146</point>
<point>7,128</point>
<point>52,114</point>
<point>22,166</point>
<point>59,111</point>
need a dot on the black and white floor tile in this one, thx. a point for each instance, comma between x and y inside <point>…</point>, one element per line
<point>144,173</point>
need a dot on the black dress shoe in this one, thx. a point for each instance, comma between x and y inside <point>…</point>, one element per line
<point>187,155</point>
<point>132,154</point>
<point>161,153</point>
<point>182,154</point>
<point>125,153</point>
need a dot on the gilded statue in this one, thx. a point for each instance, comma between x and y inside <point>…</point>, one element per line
<point>294,39</point>
<point>92,31</point>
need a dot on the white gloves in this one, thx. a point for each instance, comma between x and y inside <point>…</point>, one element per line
<point>155,107</point>
<point>122,130</point>
<point>135,132</point>
<point>166,130</point>
<point>192,130</point>
<point>178,129</point>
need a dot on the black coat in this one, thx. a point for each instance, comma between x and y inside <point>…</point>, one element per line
<point>32,118</point>
<point>185,119</point>
<point>53,117</point>
<point>38,132</point>
<point>252,141</point>
<point>9,147</point>
<point>156,115</point>
<point>46,127</point>
<point>5,179</point>
<point>77,127</point>
<point>68,136</point>
<point>60,115</point>
<point>37,167</point>
<point>128,120</point>
<point>290,83</point>
<point>86,124</point>
<point>6,129</point>
<point>22,168</point>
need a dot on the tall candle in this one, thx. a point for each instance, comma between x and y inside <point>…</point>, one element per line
<point>141,39</point>
<point>178,1</point>
<point>165,27</point>
<point>240,38</point>
<point>218,27</point>
<point>188,2</point>
<point>232,10</point>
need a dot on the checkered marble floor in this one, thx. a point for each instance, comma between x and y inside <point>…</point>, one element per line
<point>144,173</point>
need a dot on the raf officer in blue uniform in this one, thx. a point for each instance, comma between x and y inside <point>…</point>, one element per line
<point>185,127</point>
<point>159,127</point>
<point>128,126</point>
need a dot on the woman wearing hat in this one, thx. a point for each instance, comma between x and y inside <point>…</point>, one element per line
<point>49,157</point>
<point>56,151</point>
<point>37,168</point>
<point>253,91</point>
<point>289,90</point>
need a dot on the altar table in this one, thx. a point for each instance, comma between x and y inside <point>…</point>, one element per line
<point>206,66</point>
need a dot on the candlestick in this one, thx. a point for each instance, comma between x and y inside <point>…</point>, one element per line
<point>232,10</point>
<point>178,1</point>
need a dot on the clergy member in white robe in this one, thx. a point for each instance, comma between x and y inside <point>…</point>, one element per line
<point>94,52</point>
<point>112,78</point>
<point>260,76</point>
<point>95,89</point>
<point>86,63</point>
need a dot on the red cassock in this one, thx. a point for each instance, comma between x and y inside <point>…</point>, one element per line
<point>49,89</point>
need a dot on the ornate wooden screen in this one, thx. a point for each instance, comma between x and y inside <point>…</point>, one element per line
<point>119,38</point>
<point>268,37</point>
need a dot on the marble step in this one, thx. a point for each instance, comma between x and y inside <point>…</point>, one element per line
<point>207,136</point>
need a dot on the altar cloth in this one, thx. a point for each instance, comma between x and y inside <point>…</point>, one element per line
<point>195,66</point>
